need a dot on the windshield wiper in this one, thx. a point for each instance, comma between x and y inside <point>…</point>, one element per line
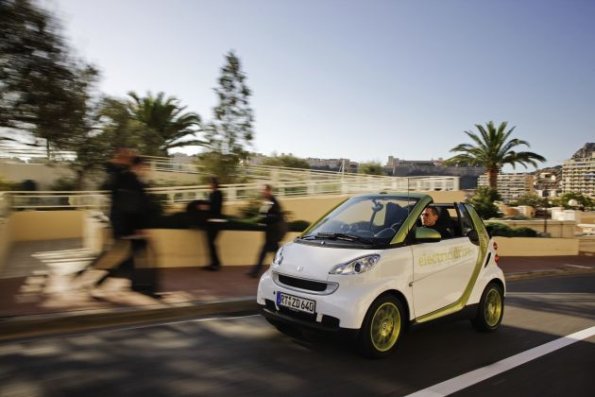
<point>339,236</point>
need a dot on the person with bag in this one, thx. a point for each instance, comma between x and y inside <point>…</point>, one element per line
<point>275,227</point>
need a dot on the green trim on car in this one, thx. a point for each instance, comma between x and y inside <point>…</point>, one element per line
<point>409,224</point>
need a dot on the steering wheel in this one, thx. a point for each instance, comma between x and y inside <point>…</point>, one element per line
<point>395,226</point>
<point>345,228</point>
<point>385,233</point>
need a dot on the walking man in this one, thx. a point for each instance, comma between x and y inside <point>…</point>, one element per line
<point>275,227</point>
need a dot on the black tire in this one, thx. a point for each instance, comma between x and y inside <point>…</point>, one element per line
<point>491,309</point>
<point>382,327</point>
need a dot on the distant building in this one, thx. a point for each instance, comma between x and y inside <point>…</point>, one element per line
<point>511,186</point>
<point>345,165</point>
<point>547,182</point>
<point>399,167</point>
<point>578,173</point>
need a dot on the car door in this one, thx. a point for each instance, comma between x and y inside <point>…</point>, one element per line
<point>441,270</point>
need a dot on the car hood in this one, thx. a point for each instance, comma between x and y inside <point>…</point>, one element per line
<point>315,261</point>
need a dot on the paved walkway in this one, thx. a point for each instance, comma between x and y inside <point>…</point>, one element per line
<point>36,284</point>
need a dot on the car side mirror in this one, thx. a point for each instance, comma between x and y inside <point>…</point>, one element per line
<point>427,235</point>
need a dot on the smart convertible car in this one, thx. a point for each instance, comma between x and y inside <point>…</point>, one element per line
<point>369,266</point>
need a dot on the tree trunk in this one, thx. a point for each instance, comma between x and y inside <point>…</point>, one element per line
<point>493,178</point>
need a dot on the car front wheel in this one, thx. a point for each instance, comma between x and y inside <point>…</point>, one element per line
<point>382,327</point>
<point>491,309</point>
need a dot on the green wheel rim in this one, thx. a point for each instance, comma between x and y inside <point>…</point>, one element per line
<point>493,307</point>
<point>385,327</point>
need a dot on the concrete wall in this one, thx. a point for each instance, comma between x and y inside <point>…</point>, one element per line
<point>5,240</point>
<point>183,248</point>
<point>43,174</point>
<point>46,225</point>
<point>587,245</point>
<point>527,246</point>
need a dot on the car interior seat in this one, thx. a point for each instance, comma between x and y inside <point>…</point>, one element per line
<point>395,215</point>
<point>445,221</point>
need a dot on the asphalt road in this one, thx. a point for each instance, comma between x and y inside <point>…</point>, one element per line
<point>237,356</point>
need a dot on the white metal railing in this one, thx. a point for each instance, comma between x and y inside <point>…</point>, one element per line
<point>288,182</point>
<point>234,192</point>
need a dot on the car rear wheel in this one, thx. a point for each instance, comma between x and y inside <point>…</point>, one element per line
<point>491,309</point>
<point>382,327</point>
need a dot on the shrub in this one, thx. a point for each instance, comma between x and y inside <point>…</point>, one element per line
<point>503,230</point>
<point>63,184</point>
<point>499,229</point>
<point>483,202</point>
<point>8,186</point>
<point>523,232</point>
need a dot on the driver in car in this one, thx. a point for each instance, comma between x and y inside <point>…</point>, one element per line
<point>429,218</point>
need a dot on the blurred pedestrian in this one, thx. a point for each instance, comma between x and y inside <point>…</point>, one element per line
<point>129,219</point>
<point>215,204</point>
<point>271,215</point>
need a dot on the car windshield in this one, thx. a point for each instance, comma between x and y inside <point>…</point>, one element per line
<point>364,220</point>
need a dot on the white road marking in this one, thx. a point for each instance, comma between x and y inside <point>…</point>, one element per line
<point>470,378</point>
<point>550,294</point>
<point>577,266</point>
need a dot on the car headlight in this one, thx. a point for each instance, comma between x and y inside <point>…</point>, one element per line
<point>356,266</point>
<point>278,257</point>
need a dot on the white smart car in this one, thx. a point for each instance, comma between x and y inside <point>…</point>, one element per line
<point>369,266</point>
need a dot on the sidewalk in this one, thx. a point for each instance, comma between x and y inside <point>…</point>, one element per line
<point>35,298</point>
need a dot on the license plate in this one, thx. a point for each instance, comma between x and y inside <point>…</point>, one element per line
<point>296,303</point>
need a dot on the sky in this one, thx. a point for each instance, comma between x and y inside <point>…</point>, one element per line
<point>362,79</point>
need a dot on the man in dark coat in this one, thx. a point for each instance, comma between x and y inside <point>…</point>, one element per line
<point>129,211</point>
<point>212,226</point>
<point>275,227</point>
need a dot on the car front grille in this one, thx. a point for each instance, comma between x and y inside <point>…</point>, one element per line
<point>308,285</point>
<point>305,285</point>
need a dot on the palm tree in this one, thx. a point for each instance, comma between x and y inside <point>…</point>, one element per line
<point>165,121</point>
<point>492,150</point>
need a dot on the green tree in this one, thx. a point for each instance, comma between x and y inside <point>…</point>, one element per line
<point>166,123</point>
<point>371,168</point>
<point>533,200</point>
<point>39,102</point>
<point>286,160</point>
<point>117,125</point>
<point>483,202</point>
<point>581,200</point>
<point>492,149</point>
<point>230,133</point>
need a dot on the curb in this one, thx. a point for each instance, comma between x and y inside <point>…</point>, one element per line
<point>546,273</point>
<point>61,323</point>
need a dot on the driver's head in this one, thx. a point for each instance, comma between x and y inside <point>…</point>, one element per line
<point>429,216</point>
